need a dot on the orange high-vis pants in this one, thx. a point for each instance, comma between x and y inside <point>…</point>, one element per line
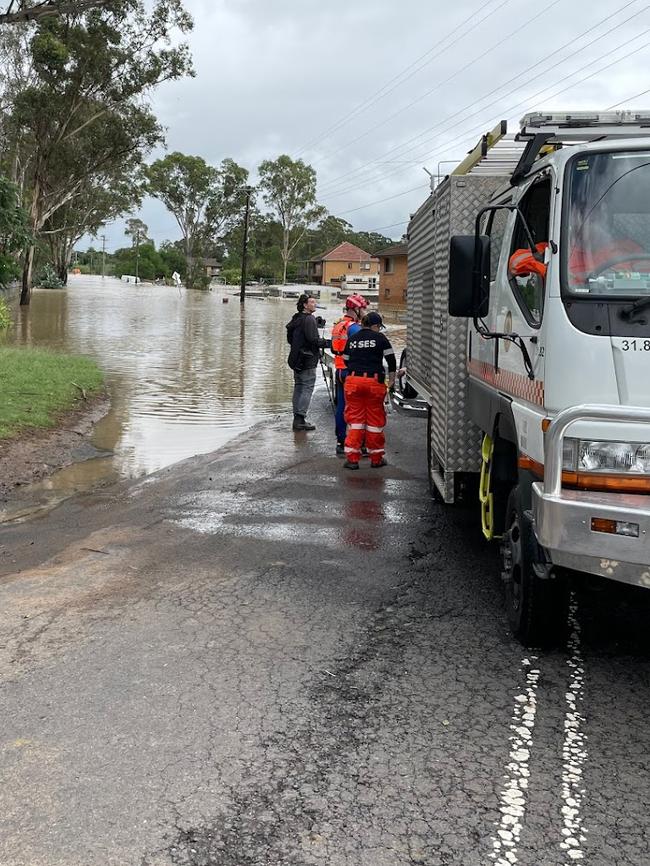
<point>365,416</point>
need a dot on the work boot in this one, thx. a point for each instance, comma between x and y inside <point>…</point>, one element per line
<point>299,423</point>
<point>340,449</point>
<point>350,464</point>
<point>382,462</point>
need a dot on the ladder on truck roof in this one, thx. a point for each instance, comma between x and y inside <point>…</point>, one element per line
<point>497,154</point>
<point>500,154</point>
<point>554,130</point>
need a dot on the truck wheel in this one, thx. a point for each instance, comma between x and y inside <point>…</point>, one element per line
<point>536,605</point>
<point>406,390</point>
<point>435,493</point>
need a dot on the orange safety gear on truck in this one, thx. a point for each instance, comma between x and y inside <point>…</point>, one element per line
<point>524,262</point>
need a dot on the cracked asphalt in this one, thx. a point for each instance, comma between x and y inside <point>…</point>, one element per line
<point>256,659</point>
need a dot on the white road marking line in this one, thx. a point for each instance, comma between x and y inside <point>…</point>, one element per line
<point>513,796</point>
<point>574,752</point>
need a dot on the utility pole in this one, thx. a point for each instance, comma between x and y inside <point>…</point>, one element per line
<point>137,255</point>
<point>244,252</point>
<point>103,256</point>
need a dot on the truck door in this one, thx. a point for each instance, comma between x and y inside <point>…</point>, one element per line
<point>517,300</point>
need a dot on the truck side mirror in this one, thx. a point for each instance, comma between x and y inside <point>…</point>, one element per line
<point>469,276</point>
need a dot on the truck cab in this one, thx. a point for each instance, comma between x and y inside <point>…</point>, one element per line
<point>553,287</point>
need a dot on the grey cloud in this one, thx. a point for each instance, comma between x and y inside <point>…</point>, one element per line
<point>274,74</point>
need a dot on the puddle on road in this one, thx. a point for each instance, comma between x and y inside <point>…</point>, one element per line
<point>359,523</point>
<point>42,496</point>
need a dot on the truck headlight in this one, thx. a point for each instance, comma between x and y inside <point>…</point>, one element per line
<point>581,455</point>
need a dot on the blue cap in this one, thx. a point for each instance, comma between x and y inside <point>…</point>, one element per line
<point>373,319</point>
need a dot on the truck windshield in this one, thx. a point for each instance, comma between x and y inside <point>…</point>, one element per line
<point>607,246</point>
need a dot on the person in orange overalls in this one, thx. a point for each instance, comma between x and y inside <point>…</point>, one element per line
<point>355,306</point>
<point>365,391</point>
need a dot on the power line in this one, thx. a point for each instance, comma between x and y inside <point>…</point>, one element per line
<point>381,228</point>
<point>406,222</point>
<point>381,200</point>
<point>403,147</point>
<point>336,182</point>
<point>482,125</point>
<point>628,99</point>
<point>498,44</point>
<point>386,89</point>
<point>591,75</point>
<point>406,149</point>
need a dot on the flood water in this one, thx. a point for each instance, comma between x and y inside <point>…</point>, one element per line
<point>186,372</point>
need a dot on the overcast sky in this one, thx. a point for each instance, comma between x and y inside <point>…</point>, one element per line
<point>369,91</point>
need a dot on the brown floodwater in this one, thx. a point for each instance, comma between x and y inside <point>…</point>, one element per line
<point>186,372</point>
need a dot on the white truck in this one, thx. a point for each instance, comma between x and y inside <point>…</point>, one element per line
<point>528,336</point>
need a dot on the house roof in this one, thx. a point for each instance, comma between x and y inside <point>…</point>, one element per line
<point>400,249</point>
<point>344,252</point>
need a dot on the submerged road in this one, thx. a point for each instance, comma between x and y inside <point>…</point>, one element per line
<point>256,658</point>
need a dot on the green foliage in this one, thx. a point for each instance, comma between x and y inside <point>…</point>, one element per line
<point>289,190</point>
<point>150,264</point>
<point>173,257</point>
<point>49,53</point>
<point>13,230</point>
<point>205,201</point>
<point>37,385</point>
<point>5,315</point>
<point>48,278</point>
<point>232,276</point>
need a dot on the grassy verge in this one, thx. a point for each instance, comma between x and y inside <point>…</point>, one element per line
<point>36,386</point>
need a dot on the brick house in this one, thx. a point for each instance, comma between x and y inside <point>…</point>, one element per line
<point>345,264</point>
<point>393,263</point>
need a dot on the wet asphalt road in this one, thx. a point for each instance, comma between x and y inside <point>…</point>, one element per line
<point>255,658</point>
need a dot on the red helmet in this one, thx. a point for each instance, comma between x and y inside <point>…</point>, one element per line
<point>355,302</point>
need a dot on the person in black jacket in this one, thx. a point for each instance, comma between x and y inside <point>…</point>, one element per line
<point>303,336</point>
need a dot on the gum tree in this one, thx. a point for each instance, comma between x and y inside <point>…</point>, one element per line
<point>289,190</point>
<point>204,200</point>
<point>83,111</point>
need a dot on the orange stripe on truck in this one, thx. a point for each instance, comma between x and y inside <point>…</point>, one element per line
<point>515,384</point>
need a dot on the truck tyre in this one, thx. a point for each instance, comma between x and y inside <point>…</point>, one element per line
<point>435,493</point>
<point>536,605</point>
<point>408,392</point>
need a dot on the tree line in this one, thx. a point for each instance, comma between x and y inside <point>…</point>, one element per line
<point>76,134</point>
<point>141,255</point>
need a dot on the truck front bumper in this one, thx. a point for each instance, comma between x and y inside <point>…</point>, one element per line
<point>563,526</point>
<point>601,533</point>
